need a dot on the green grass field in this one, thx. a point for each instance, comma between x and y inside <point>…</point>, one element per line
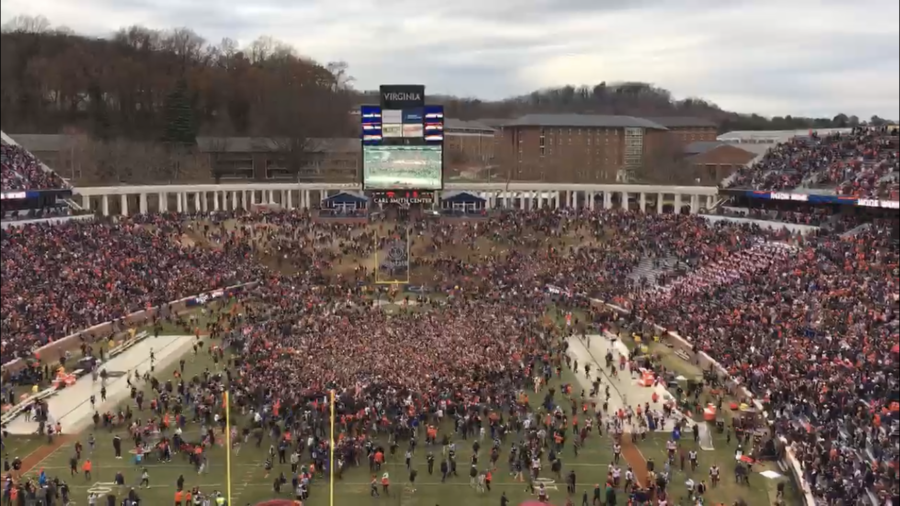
<point>249,484</point>
<point>761,489</point>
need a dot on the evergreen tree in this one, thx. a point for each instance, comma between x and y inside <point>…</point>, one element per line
<point>181,129</point>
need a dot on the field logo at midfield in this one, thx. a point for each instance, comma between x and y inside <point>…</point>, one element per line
<point>547,482</point>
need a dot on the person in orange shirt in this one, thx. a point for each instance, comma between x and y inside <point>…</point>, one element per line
<point>179,495</point>
<point>86,467</point>
<point>385,484</point>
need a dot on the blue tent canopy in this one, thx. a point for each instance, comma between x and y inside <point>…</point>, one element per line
<point>347,198</point>
<point>461,197</point>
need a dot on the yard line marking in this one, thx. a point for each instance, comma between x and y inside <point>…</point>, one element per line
<point>37,465</point>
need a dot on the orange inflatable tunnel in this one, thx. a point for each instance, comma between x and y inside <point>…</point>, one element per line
<point>647,378</point>
<point>709,413</point>
<point>63,379</point>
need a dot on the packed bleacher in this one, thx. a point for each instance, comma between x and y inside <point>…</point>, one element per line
<point>816,335</point>
<point>809,324</point>
<point>23,171</point>
<point>861,163</point>
<point>58,280</point>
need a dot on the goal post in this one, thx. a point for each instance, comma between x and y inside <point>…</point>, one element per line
<point>392,262</point>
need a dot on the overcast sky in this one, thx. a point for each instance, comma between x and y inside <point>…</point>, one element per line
<point>774,57</point>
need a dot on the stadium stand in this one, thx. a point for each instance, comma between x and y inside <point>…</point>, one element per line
<point>808,324</point>
<point>862,163</point>
<point>61,279</point>
<point>23,171</point>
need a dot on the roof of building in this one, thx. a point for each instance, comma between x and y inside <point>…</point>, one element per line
<point>683,122</point>
<point>696,148</point>
<point>494,122</point>
<point>753,147</point>
<point>776,135</point>
<point>459,194</point>
<point>260,144</point>
<point>584,120</point>
<point>459,125</point>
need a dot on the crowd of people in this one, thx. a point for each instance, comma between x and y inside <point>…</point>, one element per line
<point>23,171</point>
<point>861,163</point>
<point>60,279</point>
<point>809,324</point>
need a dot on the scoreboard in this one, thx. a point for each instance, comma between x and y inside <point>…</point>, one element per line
<point>419,126</point>
<point>402,141</point>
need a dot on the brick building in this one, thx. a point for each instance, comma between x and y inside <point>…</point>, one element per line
<point>713,161</point>
<point>467,144</point>
<point>577,148</point>
<point>259,159</point>
<point>686,130</point>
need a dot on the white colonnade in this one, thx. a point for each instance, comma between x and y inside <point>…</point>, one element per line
<point>231,197</point>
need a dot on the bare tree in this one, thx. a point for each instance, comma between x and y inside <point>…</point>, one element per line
<point>665,163</point>
<point>27,24</point>
<point>342,78</point>
<point>300,110</point>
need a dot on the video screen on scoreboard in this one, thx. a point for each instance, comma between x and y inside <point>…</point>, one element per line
<point>389,167</point>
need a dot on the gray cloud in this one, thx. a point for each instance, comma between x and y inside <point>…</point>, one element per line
<point>805,57</point>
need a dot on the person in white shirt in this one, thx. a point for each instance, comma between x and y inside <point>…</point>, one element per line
<point>629,479</point>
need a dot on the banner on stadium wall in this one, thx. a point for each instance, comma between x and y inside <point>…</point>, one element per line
<point>33,194</point>
<point>13,195</point>
<point>555,290</point>
<point>823,199</point>
<point>203,298</point>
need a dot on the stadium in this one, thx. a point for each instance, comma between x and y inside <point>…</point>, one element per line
<point>185,337</point>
